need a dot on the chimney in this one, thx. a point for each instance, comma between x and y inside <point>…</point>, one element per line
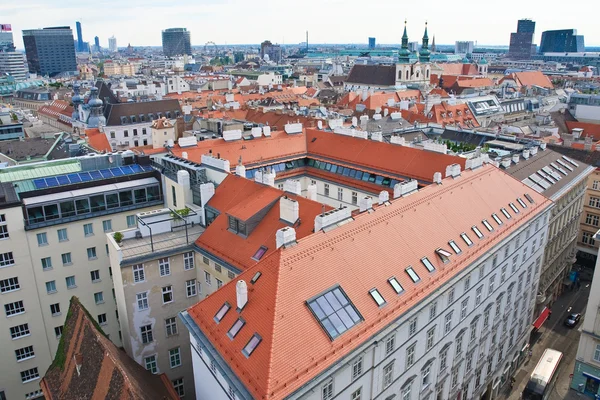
<point>377,136</point>
<point>525,154</point>
<point>241,294</point>
<point>207,191</point>
<point>292,186</point>
<point>311,192</point>
<point>515,158</point>
<point>366,203</point>
<point>405,188</point>
<point>289,210</point>
<point>184,155</point>
<point>533,151</point>
<point>542,146</point>
<point>240,170</point>
<point>183,178</point>
<point>384,196</point>
<point>506,162</point>
<point>285,236</point>
<point>453,170</point>
<point>437,178</point>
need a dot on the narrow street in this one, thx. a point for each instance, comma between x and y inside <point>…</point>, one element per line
<point>555,335</point>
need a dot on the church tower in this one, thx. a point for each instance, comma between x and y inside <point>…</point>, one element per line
<point>96,118</point>
<point>404,54</point>
<point>425,54</point>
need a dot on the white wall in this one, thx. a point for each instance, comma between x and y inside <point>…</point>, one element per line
<point>209,385</point>
<point>585,112</point>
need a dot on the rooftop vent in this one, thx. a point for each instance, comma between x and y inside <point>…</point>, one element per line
<point>437,178</point>
<point>366,203</point>
<point>285,237</point>
<point>241,294</point>
<point>515,158</point>
<point>292,186</point>
<point>384,196</point>
<point>289,210</point>
<point>405,188</point>
<point>453,170</point>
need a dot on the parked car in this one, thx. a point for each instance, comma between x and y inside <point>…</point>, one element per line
<point>572,320</point>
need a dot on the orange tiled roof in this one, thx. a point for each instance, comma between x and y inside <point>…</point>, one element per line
<point>243,198</point>
<point>530,78</point>
<point>276,308</point>
<point>589,129</point>
<point>97,140</point>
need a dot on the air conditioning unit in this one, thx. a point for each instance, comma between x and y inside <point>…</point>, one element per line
<point>138,234</point>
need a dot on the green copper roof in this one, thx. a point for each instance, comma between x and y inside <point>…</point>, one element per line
<point>39,170</point>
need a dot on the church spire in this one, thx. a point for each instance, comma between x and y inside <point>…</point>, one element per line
<point>404,54</point>
<point>425,53</point>
<point>433,44</point>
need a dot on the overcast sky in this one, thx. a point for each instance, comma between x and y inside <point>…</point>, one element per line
<point>140,22</point>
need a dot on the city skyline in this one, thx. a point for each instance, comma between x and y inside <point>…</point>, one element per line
<point>213,21</point>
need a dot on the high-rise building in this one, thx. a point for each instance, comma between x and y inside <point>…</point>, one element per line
<point>176,42</point>
<point>96,43</point>
<point>464,47</point>
<point>50,51</point>
<point>112,44</point>
<point>6,38</point>
<point>271,50</point>
<point>521,42</point>
<point>13,64</point>
<point>562,41</point>
<point>371,43</point>
<point>80,44</point>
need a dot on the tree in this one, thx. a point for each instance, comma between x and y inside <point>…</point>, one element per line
<point>238,57</point>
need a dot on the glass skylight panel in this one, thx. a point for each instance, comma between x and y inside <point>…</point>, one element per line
<point>565,165</point>
<point>529,198</point>
<point>334,311</point>
<point>487,225</point>
<point>259,253</point>
<point>251,345</point>
<point>467,239</point>
<point>497,219</point>
<point>514,207</point>
<point>396,285</point>
<point>477,231</point>
<point>235,328</point>
<point>222,311</point>
<point>559,169</point>
<point>521,202</point>
<point>455,247</point>
<point>377,297</point>
<point>255,277</point>
<point>413,275</point>
<point>506,214</point>
<point>573,163</point>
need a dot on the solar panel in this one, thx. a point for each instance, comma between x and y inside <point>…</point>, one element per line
<point>63,180</point>
<point>85,176</point>
<point>127,170</point>
<point>95,175</point>
<point>70,179</point>
<point>106,173</point>
<point>116,171</point>
<point>335,312</point>
<point>136,168</point>
<point>40,183</point>
<point>74,178</point>
<point>52,181</point>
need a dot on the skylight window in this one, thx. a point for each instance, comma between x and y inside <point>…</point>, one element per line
<point>506,214</point>
<point>413,275</point>
<point>455,247</point>
<point>514,208</point>
<point>255,277</point>
<point>259,253</point>
<point>251,345</point>
<point>235,328</point>
<point>334,311</point>
<point>222,311</point>
<point>521,202</point>
<point>396,285</point>
<point>467,240</point>
<point>444,255</point>
<point>487,225</point>
<point>477,231</point>
<point>529,198</point>
<point>497,219</point>
<point>377,297</point>
<point>573,163</point>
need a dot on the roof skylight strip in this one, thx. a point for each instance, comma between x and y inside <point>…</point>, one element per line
<point>565,165</point>
<point>428,263</point>
<point>396,285</point>
<point>514,208</point>
<point>521,202</point>
<point>497,219</point>
<point>222,311</point>
<point>379,300</point>
<point>573,163</point>
<point>505,212</point>
<point>487,225</point>
<point>467,239</point>
<point>454,247</point>
<point>529,198</point>
<point>475,229</point>
<point>412,274</point>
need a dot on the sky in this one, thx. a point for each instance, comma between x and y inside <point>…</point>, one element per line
<point>140,22</point>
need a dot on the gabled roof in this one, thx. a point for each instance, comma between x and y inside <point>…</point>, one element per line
<point>589,129</point>
<point>97,140</point>
<point>114,112</point>
<point>243,198</point>
<point>458,69</point>
<point>294,348</point>
<point>529,78</point>
<point>376,75</point>
<point>104,372</point>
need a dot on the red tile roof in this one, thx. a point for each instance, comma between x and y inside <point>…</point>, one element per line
<point>589,129</point>
<point>294,348</point>
<point>97,140</point>
<point>529,78</point>
<point>458,69</point>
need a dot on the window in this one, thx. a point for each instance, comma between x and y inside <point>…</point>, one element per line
<point>377,297</point>
<point>469,365</point>
<point>174,195</point>
<point>102,319</point>
<point>219,283</point>
<point>473,331</point>
<point>448,323</point>
<point>492,279</point>
<point>142,301</point>
<point>443,359</point>
<point>24,353</point>
<point>430,338</point>
<point>9,285</point>
<point>235,328</point>
<point>6,259</point>
<point>412,274</point>
<point>357,368</point>
<point>503,274</point>
<point>29,375</point>
<point>454,380</point>
<point>334,311</point>
<point>588,238</point>
<point>95,275</point>
<point>178,384</point>
<point>425,376</point>
<point>138,273</point>
<point>459,343</point>
<point>487,225</point>
<point>230,275</point>
<point>55,309</point>
<point>597,353</point>
<point>410,355</point>
<point>91,253</point>
<point>107,225</point>
<point>167,294</point>
<point>66,259</point>
<point>327,390</point>
<point>464,307</point>
<point>191,288</point>
<point>388,374</point>
<point>217,268</point>
<point>514,208</point>
<point>146,333</point>
<point>354,198</point>
<point>406,390</point>
<point>521,202</point>
<point>412,326</point>
<point>99,297</point>
<point>171,326</point>
<point>42,239</point>
<point>251,345</point>
<point>594,202</point>
<point>164,266</point>
<point>477,231</point>
<point>3,227</point>
<point>395,285</point>
<point>390,344</point>
<point>428,263</point>
<point>14,308</point>
<point>175,357</point>
<point>451,296</point>
<point>327,190</point>
<point>467,283</point>
<point>505,212</point>
<point>356,394</point>
<point>432,311</point>
<point>466,239</point>
<point>62,235</point>
<point>88,229</point>
<point>131,221</point>
<point>454,247</point>
<point>70,280</point>
<point>150,363</point>
<point>497,219</point>
<point>188,260</point>
<point>207,278</point>
<point>340,194</point>
<point>46,263</point>
<point>221,313</point>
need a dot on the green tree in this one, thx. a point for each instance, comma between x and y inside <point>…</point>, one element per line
<point>238,57</point>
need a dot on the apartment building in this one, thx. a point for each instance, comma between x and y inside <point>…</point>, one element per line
<point>563,181</point>
<point>55,248</point>
<point>446,312</point>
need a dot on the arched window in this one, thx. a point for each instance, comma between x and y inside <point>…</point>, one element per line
<point>427,74</point>
<point>407,75</point>
<point>400,75</point>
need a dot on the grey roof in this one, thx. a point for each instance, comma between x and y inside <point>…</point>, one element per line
<point>376,75</point>
<point>105,93</point>
<point>8,196</point>
<point>464,137</point>
<point>525,169</point>
<point>114,112</point>
<point>19,150</point>
<point>585,156</point>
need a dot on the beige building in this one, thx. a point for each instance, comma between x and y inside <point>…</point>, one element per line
<point>53,247</point>
<point>112,68</point>
<point>587,245</point>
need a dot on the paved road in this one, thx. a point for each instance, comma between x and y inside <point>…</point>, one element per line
<point>556,336</point>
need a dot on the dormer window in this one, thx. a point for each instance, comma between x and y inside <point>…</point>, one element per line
<point>133,119</point>
<point>377,297</point>
<point>487,225</point>
<point>455,247</point>
<point>514,208</point>
<point>237,226</point>
<point>521,202</point>
<point>222,311</point>
<point>444,255</point>
<point>466,238</point>
<point>497,219</point>
<point>251,345</point>
<point>506,214</point>
<point>395,285</point>
<point>477,232</point>
<point>412,274</point>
